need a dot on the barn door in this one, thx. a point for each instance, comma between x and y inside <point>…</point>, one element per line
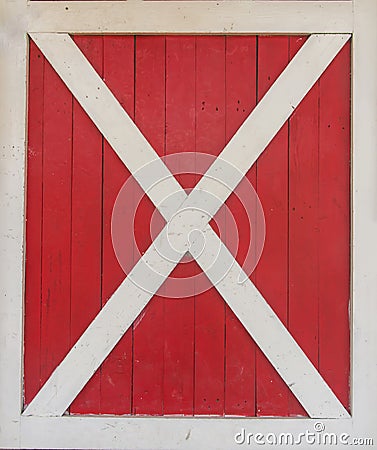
<point>187,350</point>
<point>188,221</point>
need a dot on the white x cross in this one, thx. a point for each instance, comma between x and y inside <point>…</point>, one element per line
<point>180,212</point>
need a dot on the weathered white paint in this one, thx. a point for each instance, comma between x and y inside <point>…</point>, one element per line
<point>232,17</point>
<point>163,433</point>
<point>207,197</point>
<point>364,243</point>
<point>13,51</point>
<point>177,433</point>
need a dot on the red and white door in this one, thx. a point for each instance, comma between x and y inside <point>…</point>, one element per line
<point>187,354</point>
<point>188,225</point>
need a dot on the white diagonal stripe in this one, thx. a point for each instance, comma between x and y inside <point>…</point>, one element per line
<point>318,404</point>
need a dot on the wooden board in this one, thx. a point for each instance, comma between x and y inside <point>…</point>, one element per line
<point>209,306</point>
<point>148,361</point>
<point>116,371</point>
<point>272,187</point>
<point>56,222</point>
<point>34,203</point>
<point>179,315</point>
<point>86,234</point>
<point>241,98</point>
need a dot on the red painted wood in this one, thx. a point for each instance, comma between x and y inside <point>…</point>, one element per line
<point>116,371</point>
<point>303,224</point>
<point>188,356</point>
<point>334,225</point>
<point>179,313</point>
<point>34,205</point>
<point>56,222</point>
<point>272,187</point>
<point>148,369</point>
<point>86,207</point>
<point>209,306</point>
<point>239,347</point>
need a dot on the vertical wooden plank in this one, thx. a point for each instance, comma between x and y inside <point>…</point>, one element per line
<point>116,370</point>
<point>148,334</point>
<point>86,225</point>
<point>334,225</point>
<point>179,312</point>
<point>34,205</point>
<point>239,346</point>
<point>56,230</point>
<point>272,187</point>
<point>303,225</point>
<point>209,306</point>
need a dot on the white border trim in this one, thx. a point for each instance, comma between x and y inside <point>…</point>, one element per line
<point>232,17</point>
<point>364,192</point>
<point>164,433</point>
<point>13,76</point>
<point>136,433</point>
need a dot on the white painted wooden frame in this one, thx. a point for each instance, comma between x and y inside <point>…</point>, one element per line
<point>235,17</point>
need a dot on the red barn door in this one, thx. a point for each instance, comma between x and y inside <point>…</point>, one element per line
<point>188,356</point>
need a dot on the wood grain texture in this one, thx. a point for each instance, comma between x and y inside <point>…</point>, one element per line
<point>34,211</point>
<point>209,306</point>
<point>179,313</point>
<point>86,256</point>
<point>56,220</point>
<point>272,187</point>
<point>303,225</point>
<point>148,362</point>
<point>334,225</point>
<point>241,97</point>
<point>116,371</point>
